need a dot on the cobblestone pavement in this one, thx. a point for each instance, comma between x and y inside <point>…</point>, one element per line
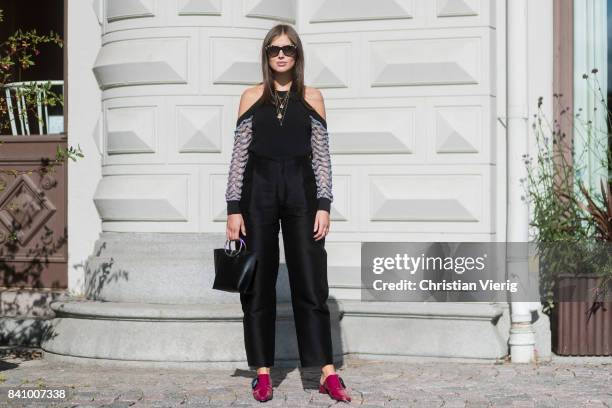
<point>564,382</point>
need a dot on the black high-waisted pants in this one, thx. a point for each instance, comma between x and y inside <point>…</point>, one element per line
<point>284,189</point>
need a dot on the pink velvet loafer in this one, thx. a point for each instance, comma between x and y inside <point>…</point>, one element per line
<point>335,388</point>
<point>262,387</point>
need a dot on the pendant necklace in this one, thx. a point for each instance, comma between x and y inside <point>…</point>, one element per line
<point>281,106</point>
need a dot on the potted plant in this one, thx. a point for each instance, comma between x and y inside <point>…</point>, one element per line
<point>572,228</point>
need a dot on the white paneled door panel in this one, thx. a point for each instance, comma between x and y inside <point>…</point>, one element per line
<point>143,198</point>
<point>229,60</point>
<point>374,130</point>
<point>143,61</point>
<point>281,10</point>
<point>429,62</point>
<point>235,60</point>
<point>417,199</point>
<point>151,14</point>
<point>316,16</point>
<point>461,130</point>
<point>148,62</point>
<point>134,131</point>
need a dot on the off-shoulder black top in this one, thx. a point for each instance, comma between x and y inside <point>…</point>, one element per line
<point>303,132</point>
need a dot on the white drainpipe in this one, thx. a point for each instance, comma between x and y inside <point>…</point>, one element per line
<point>522,336</point>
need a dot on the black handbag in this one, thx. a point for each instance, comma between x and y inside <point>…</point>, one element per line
<point>234,269</point>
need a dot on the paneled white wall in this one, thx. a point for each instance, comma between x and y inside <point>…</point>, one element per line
<point>410,89</point>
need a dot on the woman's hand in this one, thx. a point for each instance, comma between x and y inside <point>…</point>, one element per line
<point>235,224</point>
<point>321,225</point>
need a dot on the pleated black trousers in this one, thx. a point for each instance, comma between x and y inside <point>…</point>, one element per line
<point>282,191</point>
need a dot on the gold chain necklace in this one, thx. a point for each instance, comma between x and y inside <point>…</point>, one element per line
<point>281,106</point>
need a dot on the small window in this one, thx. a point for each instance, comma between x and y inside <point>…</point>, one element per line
<point>591,139</point>
<point>26,112</point>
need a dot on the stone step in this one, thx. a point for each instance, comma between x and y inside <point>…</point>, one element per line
<point>23,331</point>
<point>209,334</point>
<point>22,303</point>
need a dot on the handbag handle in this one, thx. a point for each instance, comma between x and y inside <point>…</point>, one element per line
<point>234,252</point>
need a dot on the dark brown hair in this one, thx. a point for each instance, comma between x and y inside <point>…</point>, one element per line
<point>297,70</point>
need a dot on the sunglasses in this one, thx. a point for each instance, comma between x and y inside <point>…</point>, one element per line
<point>288,50</point>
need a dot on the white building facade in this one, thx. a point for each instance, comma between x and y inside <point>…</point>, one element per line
<point>427,107</point>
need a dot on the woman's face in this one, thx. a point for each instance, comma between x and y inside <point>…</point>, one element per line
<point>281,62</point>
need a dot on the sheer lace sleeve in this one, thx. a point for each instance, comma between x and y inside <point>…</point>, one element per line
<point>321,162</point>
<point>240,154</point>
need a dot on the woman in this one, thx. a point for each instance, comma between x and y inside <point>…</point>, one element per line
<point>280,172</point>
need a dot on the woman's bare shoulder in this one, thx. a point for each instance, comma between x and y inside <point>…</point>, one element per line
<point>249,97</point>
<point>314,97</point>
